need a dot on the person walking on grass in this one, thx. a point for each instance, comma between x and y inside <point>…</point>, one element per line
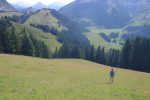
<point>112,75</point>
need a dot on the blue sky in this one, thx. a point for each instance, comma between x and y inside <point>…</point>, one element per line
<point>32,2</point>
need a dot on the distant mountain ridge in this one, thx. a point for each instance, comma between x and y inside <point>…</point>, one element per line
<point>55,5</point>
<point>5,6</point>
<point>106,13</point>
<point>102,13</point>
<point>39,5</point>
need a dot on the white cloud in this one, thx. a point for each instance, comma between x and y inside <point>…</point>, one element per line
<point>31,2</point>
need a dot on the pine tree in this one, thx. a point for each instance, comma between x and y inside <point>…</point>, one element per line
<point>87,53</point>
<point>37,46</point>
<point>98,55</point>
<point>103,58</point>
<point>76,52</point>
<point>7,44</point>
<point>46,52</point>
<point>92,53</point>
<point>136,53</point>
<point>65,51</point>
<point>15,42</point>
<point>56,53</point>
<point>125,56</point>
<point>1,45</point>
<point>27,45</point>
<point>113,57</point>
<point>146,53</point>
<point>1,50</point>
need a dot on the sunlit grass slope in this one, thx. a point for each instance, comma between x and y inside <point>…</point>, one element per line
<point>27,78</point>
<point>44,17</point>
<point>10,14</point>
<point>49,39</point>
<point>94,37</point>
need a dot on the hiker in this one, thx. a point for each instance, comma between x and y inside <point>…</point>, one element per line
<point>112,75</point>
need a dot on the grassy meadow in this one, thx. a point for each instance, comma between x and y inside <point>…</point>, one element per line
<point>28,78</point>
<point>95,38</point>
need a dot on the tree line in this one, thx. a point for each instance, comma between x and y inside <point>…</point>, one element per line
<point>98,55</point>
<point>134,55</point>
<point>23,43</point>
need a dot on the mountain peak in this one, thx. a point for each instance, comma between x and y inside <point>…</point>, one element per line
<point>39,5</point>
<point>56,5</point>
<point>5,6</point>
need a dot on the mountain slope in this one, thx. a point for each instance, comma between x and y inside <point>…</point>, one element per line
<point>5,6</point>
<point>45,17</point>
<point>101,13</point>
<point>49,39</point>
<point>25,78</point>
<point>130,17</point>
<point>51,21</point>
<point>108,13</point>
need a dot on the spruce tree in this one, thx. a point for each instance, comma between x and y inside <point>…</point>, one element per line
<point>1,49</point>
<point>65,51</point>
<point>7,40</point>
<point>46,52</point>
<point>87,53</point>
<point>125,56</point>
<point>76,52</point>
<point>113,57</point>
<point>103,57</point>
<point>92,53</point>
<point>15,42</point>
<point>27,45</point>
<point>136,53</point>
<point>98,55</point>
<point>56,53</point>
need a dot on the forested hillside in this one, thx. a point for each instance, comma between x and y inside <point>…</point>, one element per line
<point>47,33</point>
<point>41,32</point>
<point>126,18</point>
<point>19,39</point>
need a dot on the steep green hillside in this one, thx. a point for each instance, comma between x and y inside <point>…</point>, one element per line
<point>27,78</point>
<point>46,23</point>
<point>45,17</point>
<point>51,21</point>
<point>49,39</point>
